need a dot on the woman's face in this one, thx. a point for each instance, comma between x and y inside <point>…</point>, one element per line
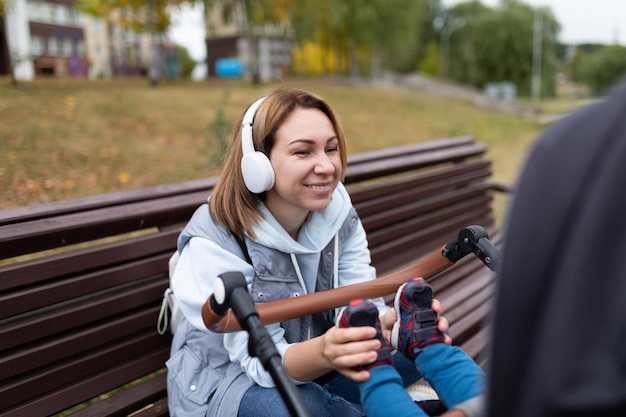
<point>307,165</point>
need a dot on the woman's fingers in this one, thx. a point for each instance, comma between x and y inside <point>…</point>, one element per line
<point>348,348</point>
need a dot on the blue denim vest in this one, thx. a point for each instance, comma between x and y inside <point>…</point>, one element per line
<point>202,381</point>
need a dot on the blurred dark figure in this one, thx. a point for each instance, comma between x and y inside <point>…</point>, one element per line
<point>559,346</point>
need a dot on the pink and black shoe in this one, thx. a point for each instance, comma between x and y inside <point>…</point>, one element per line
<point>416,325</point>
<point>365,313</point>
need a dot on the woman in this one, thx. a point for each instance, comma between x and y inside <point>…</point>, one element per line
<point>280,194</point>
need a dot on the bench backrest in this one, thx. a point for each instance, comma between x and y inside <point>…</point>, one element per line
<point>81,281</point>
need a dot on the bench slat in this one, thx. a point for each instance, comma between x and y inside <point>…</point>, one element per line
<point>58,208</point>
<point>81,313</point>
<point>41,270</point>
<point>72,288</point>
<point>383,218</point>
<point>422,195</point>
<point>62,398</point>
<point>470,323</point>
<point>130,399</point>
<point>20,238</point>
<point>420,147</point>
<point>158,409</point>
<point>377,169</point>
<point>375,189</point>
<point>391,254</point>
<point>477,345</point>
<point>476,206</point>
<point>68,344</point>
<point>79,367</point>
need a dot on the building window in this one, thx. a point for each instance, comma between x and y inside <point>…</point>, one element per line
<point>80,47</point>
<point>51,13</point>
<point>97,26</point>
<point>53,46</point>
<point>36,45</point>
<point>74,17</point>
<point>67,47</point>
<point>61,14</point>
<point>34,9</point>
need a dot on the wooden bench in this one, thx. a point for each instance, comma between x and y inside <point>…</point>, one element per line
<point>81,281</point>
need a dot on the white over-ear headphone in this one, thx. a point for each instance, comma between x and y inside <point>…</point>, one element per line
<point>257,171</point>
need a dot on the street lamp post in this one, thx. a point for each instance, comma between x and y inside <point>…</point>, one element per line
<point>444,42</point>
<point>537,41</point>
<point>153,70</point>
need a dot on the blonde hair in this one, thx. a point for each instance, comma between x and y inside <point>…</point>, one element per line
<point>231,203</point>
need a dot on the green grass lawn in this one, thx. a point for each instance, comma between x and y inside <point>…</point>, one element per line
<point>62,139</point>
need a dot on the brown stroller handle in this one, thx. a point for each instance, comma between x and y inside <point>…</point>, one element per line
<point>290,308</point>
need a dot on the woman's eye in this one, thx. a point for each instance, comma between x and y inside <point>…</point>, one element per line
<point>332,149</point>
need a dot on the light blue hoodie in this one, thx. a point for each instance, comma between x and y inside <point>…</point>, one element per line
<point>205,361</point>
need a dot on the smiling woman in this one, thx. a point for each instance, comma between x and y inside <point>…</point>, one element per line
<point>291,229</point>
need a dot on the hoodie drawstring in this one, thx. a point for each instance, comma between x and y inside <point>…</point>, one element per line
<point>335,282</point>
<point>294,261</point>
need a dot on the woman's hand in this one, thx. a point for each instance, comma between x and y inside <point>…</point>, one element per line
<point>387,321</point>
<point>341,349</point>
<point>347,348</point>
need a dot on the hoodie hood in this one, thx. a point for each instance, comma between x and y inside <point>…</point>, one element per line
<point>315,234</point>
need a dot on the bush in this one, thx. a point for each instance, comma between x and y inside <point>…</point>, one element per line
<point>601,69</point>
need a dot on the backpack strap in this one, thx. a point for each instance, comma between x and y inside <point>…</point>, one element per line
<point>243,246</point>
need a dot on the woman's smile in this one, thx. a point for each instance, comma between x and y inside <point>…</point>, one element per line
<point>320,187</point>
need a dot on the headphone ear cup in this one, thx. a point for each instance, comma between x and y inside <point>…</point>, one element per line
<point>257,171</point>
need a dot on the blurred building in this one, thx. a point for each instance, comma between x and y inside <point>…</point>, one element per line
<point>265,52</point>
<point>45,38</point>
<point>130,51</point>
<point>53,38</point>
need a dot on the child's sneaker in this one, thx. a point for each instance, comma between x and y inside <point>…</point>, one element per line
<point>365,313</point>
<point>416,325</point>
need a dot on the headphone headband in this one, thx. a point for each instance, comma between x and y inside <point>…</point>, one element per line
<point>246,126</point>
<point>257,171</point>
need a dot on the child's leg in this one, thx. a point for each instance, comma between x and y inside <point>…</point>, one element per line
<point>451,372</point>
<point>383,395</point>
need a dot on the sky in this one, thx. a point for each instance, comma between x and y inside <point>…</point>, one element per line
<point>582,21</point>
